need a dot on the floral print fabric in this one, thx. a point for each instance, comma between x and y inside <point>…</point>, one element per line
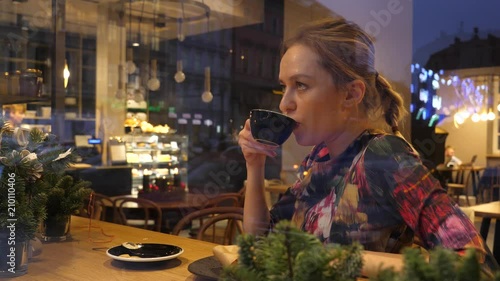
<point>376,192</point>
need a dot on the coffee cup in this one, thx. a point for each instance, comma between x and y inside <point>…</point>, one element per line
<point>271,127</point>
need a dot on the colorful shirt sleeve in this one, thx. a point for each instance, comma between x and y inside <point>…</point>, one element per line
<point>394,169</point>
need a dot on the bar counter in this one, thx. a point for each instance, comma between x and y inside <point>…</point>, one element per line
<point>83,256</point>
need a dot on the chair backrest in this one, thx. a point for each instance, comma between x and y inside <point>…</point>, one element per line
<point>138,212</point>
<point>241,193</point>
<point>98,207</point>
<point>233,227</point>
<point>224,200</point>
<point>211,216</point>
<point>104,208</point>
<point>489,180</point>
<point>463,174</point>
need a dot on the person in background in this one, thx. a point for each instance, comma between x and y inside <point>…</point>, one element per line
<point>450,159</point>
<point>362,181</point>
<point>14,114</point>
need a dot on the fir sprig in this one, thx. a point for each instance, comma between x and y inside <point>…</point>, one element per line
<point>290,254</point>
<point>269,258</point>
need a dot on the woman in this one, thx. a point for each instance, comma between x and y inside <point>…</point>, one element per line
<point>358,183</point>
<point>14,114</point>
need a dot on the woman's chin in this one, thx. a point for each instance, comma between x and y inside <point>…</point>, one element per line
<point>303,141</point>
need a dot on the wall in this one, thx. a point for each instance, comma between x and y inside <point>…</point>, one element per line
<point>389,21</point>
<point>468,140</point>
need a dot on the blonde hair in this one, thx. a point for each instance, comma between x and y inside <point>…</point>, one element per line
<point>11,108</point>
<point>348,54</point>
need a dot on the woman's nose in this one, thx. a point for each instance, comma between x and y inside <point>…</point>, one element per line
<point>287,103</point>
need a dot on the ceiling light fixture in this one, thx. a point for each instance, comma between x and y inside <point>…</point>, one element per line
<point>66,74</point>
<point>207,95</point>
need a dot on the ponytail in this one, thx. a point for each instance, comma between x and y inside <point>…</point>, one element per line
<point>392,104</point>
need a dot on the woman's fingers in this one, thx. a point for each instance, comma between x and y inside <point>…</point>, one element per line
<point>249,145</point>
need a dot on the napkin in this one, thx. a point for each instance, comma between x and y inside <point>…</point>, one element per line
<point>226,254</point>
<point>373,262</point>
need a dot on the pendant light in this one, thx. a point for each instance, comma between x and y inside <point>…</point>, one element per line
<point>153,83</point>
<point>66,74</point>
<point>137,42</point>
<point>179,76</point>
<point>130,66</point>
<point>120,92</point>
<point>180,21</point>
<point>155,44</point>
<point>207,95</point>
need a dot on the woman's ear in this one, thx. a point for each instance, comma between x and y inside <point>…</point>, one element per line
<point>355,93</point>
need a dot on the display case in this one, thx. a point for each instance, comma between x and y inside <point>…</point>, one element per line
<point>159,160</point>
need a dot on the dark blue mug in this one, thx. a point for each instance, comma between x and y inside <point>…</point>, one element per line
<point>271,127</point>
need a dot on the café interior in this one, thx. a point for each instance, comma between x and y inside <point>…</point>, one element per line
<point>151,94</point>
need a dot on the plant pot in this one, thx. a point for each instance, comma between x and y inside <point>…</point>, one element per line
<point>55,229</point>
<point>14,255</point>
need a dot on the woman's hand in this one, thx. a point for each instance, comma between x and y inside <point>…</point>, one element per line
<point>254,152</point>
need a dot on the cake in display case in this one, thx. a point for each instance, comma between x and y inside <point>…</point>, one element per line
<point>159,163</point>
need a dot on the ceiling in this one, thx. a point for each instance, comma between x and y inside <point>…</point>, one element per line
<point>161,17</point>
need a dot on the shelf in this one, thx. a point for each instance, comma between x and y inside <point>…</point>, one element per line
<point>80,119</point>
<point>136,109</point>
<point>36,118</point>
<point>8,99</point>
<point>69,119</point>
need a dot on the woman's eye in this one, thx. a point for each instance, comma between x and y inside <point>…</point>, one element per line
<point>301,86</point>
<point>283,88</point>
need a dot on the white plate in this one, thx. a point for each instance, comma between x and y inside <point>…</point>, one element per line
<point>148,252</point>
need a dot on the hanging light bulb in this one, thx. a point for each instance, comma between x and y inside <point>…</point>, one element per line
<point>130,65</point>
<point>179,76</point>
<point>180,34</point>
<point>475,117</point>
<point>491,115</point>
<point>207,95</point>
<point>66,74</point>
<point>120,92</point>
<point>484,116</point>
<point>137,43</point>
<point>458,118</point>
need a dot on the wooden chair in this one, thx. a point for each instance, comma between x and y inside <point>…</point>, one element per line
<point>489,184</point>
<point>221,200</point>
<point>220,233</point>
<point>138,212</point>
<point>224,200</point>
<point>98,207</point>
<point>462,179</point>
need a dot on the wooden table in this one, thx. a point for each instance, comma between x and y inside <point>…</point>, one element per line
<point>81,259</point>
<point>489,211</point>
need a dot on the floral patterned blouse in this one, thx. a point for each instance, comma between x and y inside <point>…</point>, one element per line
<point>378,193</point>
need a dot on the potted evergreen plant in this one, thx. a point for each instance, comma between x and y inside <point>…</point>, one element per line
<point>64,198</point>
<point>22,203</point>
<point>30,161</point>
